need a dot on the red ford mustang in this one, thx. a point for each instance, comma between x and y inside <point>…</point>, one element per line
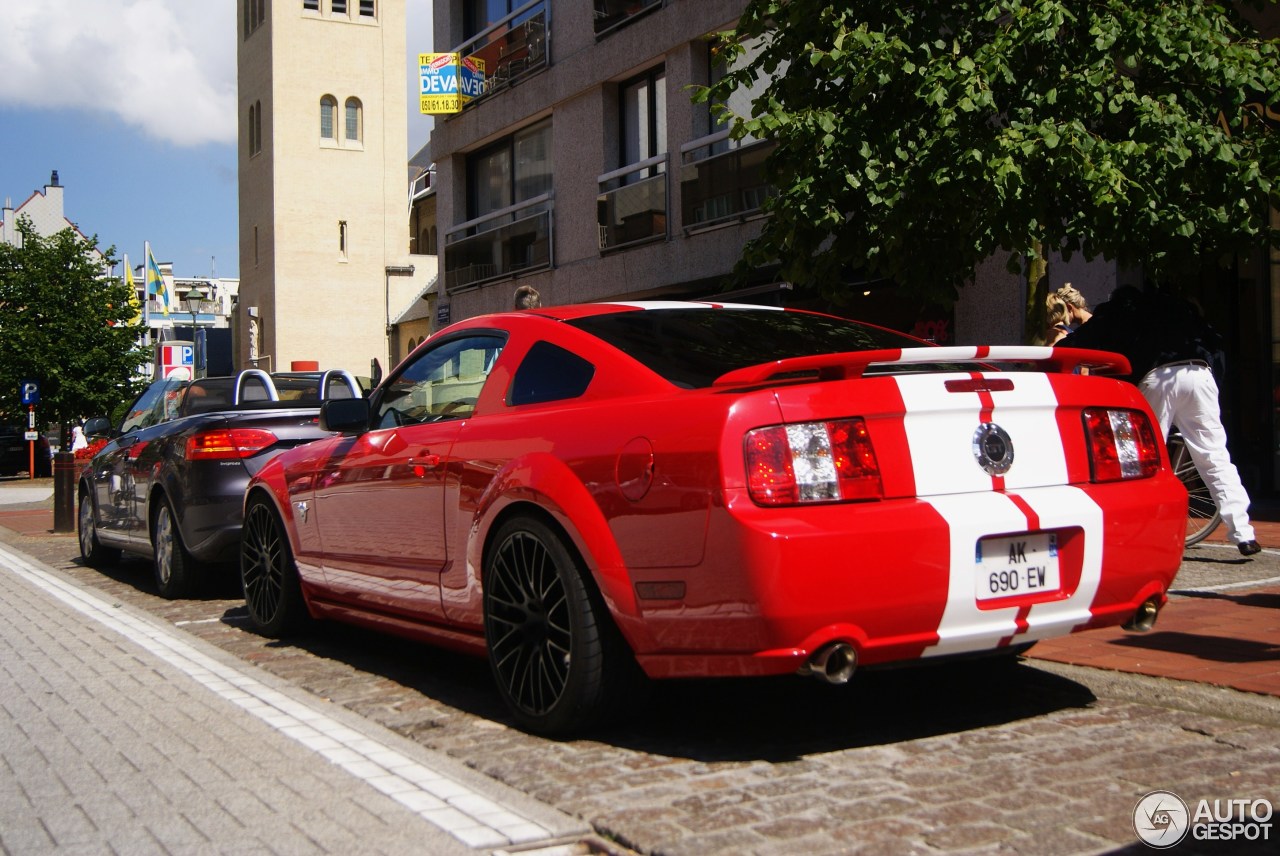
<point>706,490</point>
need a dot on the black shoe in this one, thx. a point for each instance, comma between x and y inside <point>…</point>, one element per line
<point>1249,548</point>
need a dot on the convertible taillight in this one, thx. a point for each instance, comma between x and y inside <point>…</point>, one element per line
<point>812,462</point>
<point>1122,445</point>
<point>228,444</point>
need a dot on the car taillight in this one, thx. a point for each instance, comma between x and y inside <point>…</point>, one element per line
<point>228,444</point>
<point>1122,445</point>
<point>812,462</point>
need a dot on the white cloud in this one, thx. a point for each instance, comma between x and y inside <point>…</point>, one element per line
<point>165,67</point>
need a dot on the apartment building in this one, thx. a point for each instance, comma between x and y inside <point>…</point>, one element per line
<point>324,243</point>
<point>650,198</point>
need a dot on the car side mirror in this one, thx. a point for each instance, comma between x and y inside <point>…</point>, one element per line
<point>345,415</point>
<point>98,426</point>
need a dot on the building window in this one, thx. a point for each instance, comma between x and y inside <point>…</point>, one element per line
<point>353,120</point>
<point>508,192</point>
<point>479,14</point>
<point>367,8</point>
<point>255,246</point>
<point>254,126</point>
<point>643,120</point>
<point>255,13</point>
<point>611,14</point>
<point>328,118</point>
<point>342,240</point>
<point>338,7</point>
<point>311,5</point>
<point>510,171</point>
<point>632,204</point>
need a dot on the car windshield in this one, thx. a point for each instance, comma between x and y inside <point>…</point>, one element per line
<point>691,347</point>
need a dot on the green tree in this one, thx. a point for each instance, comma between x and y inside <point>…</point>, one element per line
<point>66,324</point>
<point>915,140</point>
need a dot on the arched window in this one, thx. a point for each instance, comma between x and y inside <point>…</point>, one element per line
<point>253,112</point>
<point>328,118</point>
<point>354,120</point>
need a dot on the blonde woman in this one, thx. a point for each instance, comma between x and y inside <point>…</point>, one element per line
<point>1066,309</point>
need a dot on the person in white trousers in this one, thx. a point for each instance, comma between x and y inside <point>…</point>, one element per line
<point>1184,393</point>
<point>1170,347</point>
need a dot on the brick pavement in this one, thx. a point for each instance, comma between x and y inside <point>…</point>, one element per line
<point>1045,759</point>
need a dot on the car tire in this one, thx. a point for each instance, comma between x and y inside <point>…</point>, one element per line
<point>177,572</point>
<point>559,661</point>
<point>92,551</point>
<point>269,575</point>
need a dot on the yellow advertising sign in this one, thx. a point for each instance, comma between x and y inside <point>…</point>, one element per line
<point>448,81</point>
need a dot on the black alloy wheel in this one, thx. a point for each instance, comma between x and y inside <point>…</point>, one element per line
<point>553,649</point>
<point>268,574</point>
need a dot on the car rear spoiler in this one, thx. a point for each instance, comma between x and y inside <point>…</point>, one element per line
<point>854,364</point>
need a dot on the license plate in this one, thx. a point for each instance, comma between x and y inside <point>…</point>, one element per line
<point>1016,565</point>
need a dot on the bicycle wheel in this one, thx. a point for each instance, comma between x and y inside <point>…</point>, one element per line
<point>1202,512</point>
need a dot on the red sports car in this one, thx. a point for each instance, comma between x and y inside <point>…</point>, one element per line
<point>707,489</point>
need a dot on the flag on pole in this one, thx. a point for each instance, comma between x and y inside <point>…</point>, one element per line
<point>155,282</point>
<point>133,294</point>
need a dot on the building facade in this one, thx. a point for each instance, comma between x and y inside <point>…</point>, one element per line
<point>324,245</point>
<point>44,208</point>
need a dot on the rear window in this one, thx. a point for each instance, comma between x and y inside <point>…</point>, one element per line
<point>691,347</point>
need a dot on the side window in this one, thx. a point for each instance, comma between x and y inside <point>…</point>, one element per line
<point>442,383</point>
<point>550,373</point>
<point>157,404</point>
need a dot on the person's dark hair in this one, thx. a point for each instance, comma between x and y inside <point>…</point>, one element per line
<point>527,297</point>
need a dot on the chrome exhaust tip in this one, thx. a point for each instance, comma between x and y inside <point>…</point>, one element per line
<point>1145,618</point>
<point>833,663</point>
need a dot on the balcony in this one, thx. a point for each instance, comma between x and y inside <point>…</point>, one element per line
<point>504,243</point>
<point>612,14</point>
<point>720,183</point>
<point>635,212</point>
<point>511,48</point>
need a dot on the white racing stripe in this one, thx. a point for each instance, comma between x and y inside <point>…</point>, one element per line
<point>460,811</point>
<point>940,425</point>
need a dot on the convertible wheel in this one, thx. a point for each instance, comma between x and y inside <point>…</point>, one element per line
<point>177,572</point>
<point>553,649</point>
<point>91,550</point>
<point>269,575</point>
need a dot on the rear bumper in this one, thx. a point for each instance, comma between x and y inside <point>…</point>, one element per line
<point>896,579</point>
<point>213,516</point>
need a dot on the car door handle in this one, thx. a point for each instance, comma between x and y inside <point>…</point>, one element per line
<point>426,459</point>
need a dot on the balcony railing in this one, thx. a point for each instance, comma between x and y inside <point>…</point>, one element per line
<point>611,14</point>
<point>501,244</point>
<point>512,47</point>
<point>630,213</point>
<point>718,185</point>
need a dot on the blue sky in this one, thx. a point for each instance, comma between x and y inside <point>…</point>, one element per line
<point>133,102</point>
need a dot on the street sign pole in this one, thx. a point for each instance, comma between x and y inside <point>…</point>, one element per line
<point>31,443</point>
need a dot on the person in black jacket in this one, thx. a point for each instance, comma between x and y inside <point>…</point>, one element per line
<point>1172,351</point>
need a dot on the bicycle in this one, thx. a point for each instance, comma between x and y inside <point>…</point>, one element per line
<point>1202,512</point>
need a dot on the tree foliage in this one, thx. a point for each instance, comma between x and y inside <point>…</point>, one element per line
<point>65,324</point>
<point>915,140</point>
